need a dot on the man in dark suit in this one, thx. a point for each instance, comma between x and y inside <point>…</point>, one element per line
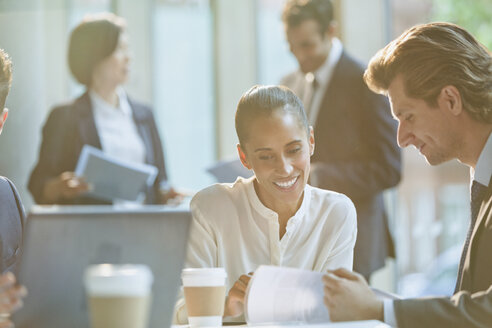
<point>438,78</point>
<point>12,218</point>
<point>356,151</point>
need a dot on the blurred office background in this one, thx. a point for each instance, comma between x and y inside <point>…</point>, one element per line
<point>192,60</point>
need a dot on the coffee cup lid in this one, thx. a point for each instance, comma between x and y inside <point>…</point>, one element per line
<point>202,272</point>
<point>203,277</point>
<point>111,279</point>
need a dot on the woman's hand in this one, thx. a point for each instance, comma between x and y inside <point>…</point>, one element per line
<point>172,196</point>
<point>10,298</point>
<point>66,186</point>
<point>234,306</point>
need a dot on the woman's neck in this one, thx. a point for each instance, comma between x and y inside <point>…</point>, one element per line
<point>107,93</point>
<point>284,210</point>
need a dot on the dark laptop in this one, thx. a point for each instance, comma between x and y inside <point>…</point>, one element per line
<point>60,242</point>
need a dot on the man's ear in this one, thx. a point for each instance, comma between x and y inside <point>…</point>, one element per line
<point>332,30</point>
<point>242,157</point>
<point>450,99</point>
<point>3,117</point>
<point>5,114</point>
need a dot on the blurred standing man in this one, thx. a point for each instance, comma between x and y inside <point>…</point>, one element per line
<point>12,218</point>
<point>439,82</point>
<point>356,151</point>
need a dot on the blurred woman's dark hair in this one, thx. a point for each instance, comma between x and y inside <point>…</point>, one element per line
<point>94,39</point>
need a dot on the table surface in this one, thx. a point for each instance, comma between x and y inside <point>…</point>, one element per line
<point>348,324</point>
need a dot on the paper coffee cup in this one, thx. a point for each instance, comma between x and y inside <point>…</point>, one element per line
<point>119,296</point>
<point>204,291</point>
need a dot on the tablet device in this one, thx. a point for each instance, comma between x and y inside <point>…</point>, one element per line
<point>111,179</point>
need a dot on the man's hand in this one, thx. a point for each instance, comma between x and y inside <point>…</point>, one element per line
<point>10,298</point>
<point>348,297</point>
<point>234,306</point>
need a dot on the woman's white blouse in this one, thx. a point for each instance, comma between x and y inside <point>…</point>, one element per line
<point>116,128</point>
<point>233,229</point>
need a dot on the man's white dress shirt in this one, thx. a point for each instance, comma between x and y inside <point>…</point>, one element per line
<point>302,82</point>
<point>233,229</point>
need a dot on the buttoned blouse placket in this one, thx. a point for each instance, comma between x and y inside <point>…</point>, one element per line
<point>274,231</point>
<point>279,247</point>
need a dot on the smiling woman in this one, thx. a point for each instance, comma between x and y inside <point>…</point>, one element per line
<point>276,143</point>
<point>274,217</point>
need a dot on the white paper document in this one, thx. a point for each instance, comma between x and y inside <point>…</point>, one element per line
<point>382,295</point>
<point>281,295</point>
<point>285,295</point>
<point>111,178</point>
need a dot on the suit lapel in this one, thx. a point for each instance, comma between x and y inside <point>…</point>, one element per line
<point>140,118</point>
<point>85,121</point>
<point>331,91</point>
<point>481,216</point>
<point>479,225</point>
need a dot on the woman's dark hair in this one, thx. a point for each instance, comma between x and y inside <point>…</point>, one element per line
<point>94,39</point>
<point>263,100</point>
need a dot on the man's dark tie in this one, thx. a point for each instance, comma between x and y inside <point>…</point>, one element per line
<point>309,91</point>
<point>477,193</point>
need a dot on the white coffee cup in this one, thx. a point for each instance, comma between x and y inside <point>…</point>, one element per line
<point>204,291</point>
<point>119,296</point>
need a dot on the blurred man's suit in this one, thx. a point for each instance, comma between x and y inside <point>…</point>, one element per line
<point>12,222</point>
<point>356,154</point>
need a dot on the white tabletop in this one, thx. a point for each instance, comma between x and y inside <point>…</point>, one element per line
<point>347,324</point>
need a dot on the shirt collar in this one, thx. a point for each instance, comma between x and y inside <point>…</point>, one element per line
<point>100,104</point>
<point>323,74</point>
<point>483,169</point>
<point>268,213</point>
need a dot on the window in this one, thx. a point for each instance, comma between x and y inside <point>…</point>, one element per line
<point>274,58</point>
<point>183,89</point>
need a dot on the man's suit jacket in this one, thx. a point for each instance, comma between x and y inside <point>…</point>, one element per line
<point>69,127</point>
<point>471,306</point>
<point>12,222</point>
<point>356,154</point>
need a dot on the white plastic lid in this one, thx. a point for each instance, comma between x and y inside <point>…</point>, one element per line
<point>203,277</point>
<point>118,280</point>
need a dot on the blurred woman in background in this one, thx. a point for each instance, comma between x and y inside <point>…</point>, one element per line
<point>103,117</point>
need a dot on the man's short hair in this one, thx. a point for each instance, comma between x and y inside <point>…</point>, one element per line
<point>5,77</point>
<point>430,56</point>
<point>297,11</point>
<point>94,39</point>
